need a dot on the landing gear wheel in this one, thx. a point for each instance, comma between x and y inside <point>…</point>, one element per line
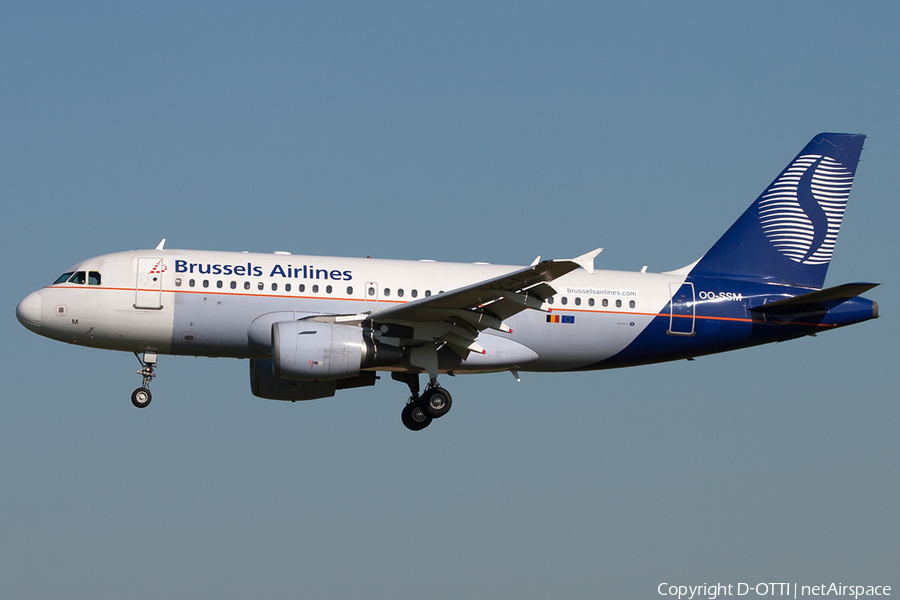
<point>414,417</point>
<point>436,402</point>
<point>141,397</point>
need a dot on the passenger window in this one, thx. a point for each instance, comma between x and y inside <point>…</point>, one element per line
<point>550,300</point>
<point>93,278</point>
<point>349,290</point>
<point>206,283</point>
<point>428,293</point>
<point>301,288</point>
<point>564,300</point>
<point>315,289</point>
<point>287,287</point>
<point>400,293</point>
<point>260,286</point>
<point>605,303</point>
<point>234,285</point>
<point>246,285</point>
<point>178,282</point>
<point>371,291</point>
<point>590,301</point>
<point>414,293</point>
<point>219,284</point>
<point>77,278</point>
<point>63,278</point>
<point>387,291</point>
<point>618,304</point>
<point>191,283</point>
<point>577,301</point>
<point>274,287</point>
<point>631,304</point>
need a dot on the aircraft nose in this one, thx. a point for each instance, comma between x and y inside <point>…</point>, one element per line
<point>28,312</point>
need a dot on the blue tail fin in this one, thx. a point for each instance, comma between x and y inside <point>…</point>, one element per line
<point>787,236</point>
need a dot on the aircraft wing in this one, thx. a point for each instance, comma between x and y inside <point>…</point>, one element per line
<point>456,317</point>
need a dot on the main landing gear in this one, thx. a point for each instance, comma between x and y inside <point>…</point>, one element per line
<point>141,397</point>
<point>420,411</point>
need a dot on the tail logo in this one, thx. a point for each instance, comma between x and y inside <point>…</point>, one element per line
<point>801,212</point>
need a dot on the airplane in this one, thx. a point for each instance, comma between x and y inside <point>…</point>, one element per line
<point>312,325</point>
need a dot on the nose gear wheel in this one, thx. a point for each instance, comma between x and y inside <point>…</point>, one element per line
<point>141,397</point>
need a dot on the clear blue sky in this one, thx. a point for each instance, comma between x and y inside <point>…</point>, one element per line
<point>466,131</point>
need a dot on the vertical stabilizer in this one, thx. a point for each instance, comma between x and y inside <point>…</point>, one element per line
<point>788,235</point>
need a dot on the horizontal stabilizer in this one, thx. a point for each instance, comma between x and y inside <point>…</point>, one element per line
<point>815,301</point>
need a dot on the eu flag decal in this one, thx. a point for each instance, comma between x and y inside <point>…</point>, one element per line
<point>560,318</point>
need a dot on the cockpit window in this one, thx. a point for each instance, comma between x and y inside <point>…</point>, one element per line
<point>78,277</point>
<point>63,278</point>
<point>93,278</point>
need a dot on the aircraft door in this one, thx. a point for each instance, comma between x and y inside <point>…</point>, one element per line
<point>148,289</point>
<point>371,293</point>
<point>682,309</point>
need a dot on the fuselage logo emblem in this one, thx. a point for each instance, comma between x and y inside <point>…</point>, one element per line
<point>159,268</point>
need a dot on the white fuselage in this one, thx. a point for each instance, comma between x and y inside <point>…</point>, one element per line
<point>203,303</point>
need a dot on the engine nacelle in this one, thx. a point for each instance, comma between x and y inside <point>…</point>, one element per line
<point>265,384</point>
<point>308,350</point>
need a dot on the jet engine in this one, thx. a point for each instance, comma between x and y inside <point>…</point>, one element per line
<point>311,360</point>
<point>311,351</point>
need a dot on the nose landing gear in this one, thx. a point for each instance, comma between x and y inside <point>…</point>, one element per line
<point>141,397</point>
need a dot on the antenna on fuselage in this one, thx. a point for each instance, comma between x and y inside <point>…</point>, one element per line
<point>161,244</point>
